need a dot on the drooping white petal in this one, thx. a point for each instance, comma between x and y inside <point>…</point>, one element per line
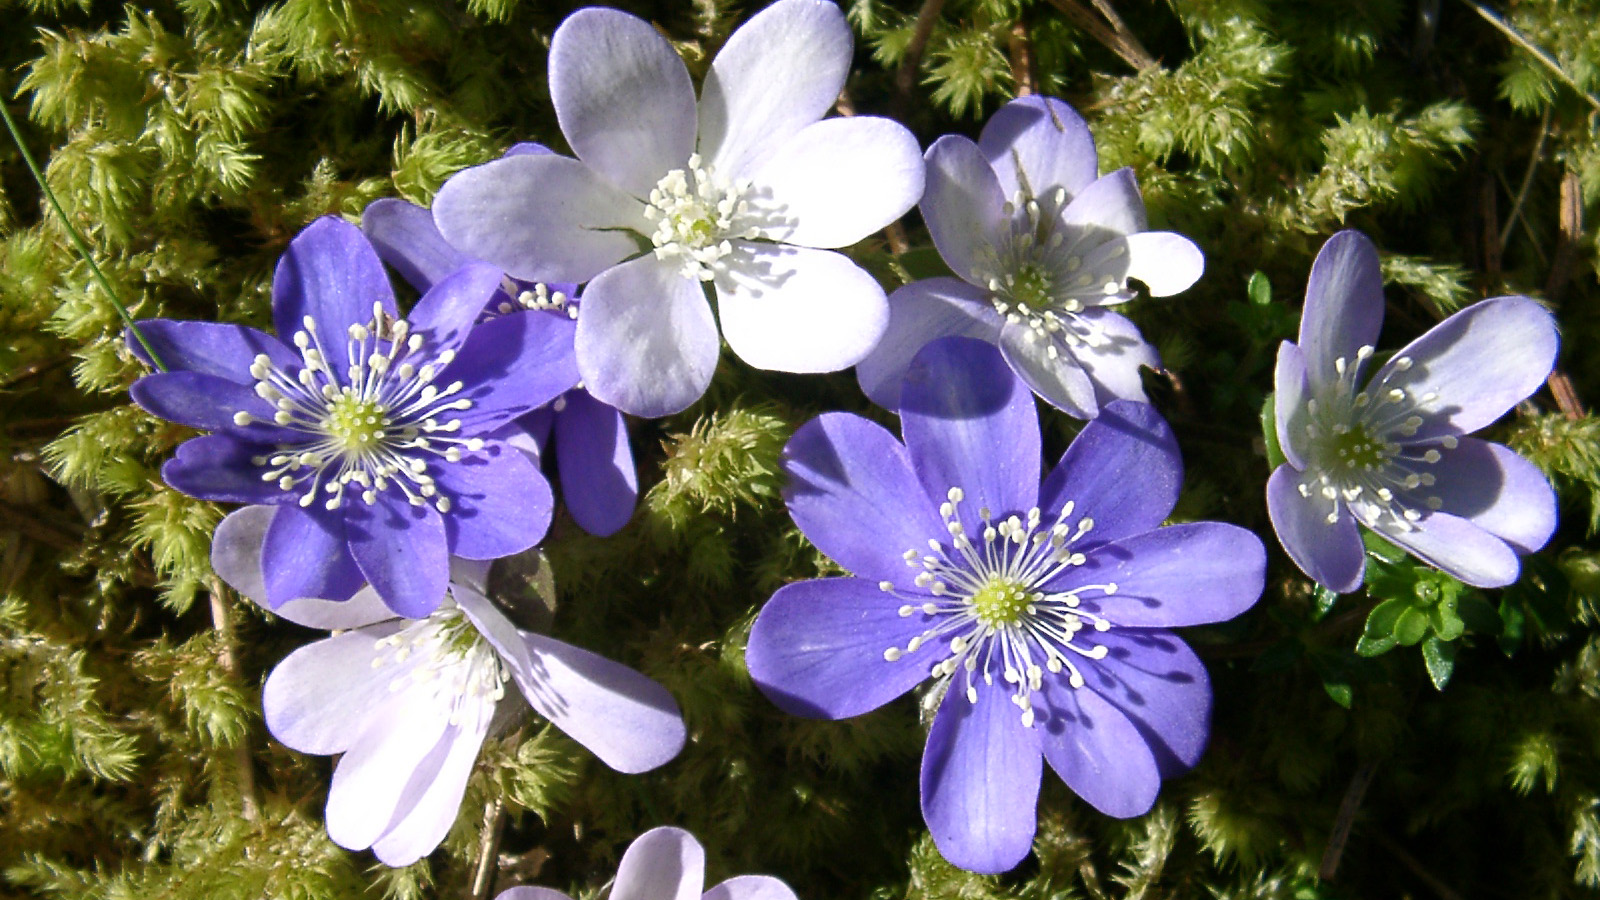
<point>794,309</point>
<point>372,775</point>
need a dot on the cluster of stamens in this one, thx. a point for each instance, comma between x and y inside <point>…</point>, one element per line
<point>696,212</point>
<point>369,428</point>
<point>1358,452</point>
<point>445,653</point>
<point>1035,274</point>
<point>538,297</point>
<point>988,602</point>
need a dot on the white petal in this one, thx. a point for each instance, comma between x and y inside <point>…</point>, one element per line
<point>778,73</point>
<point>622,96</point>
<point>373,774</point>
<point>1113,363</point>
<point>420,828</point>
<point>963,204</point>
<point>751,887</point>
<point>838,181</point>
<point>646,343</point>
<point>920,313</point>
<point>540,218</point>
<point>318,700</point>
<point>1457,547</point>
<point>1060,380</point>
<point>1042,141</point>
<point>626,719</point>
<point>503,636</point>
<point>1167,263</point>
<point>794,309</point>
<point>664,863</point>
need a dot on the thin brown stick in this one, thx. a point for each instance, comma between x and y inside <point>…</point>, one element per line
<point>905,77</point>
<point>1537,52</point>
<point>1110,31</point>
<point>1340,835</point>
<point>1527,181</point>
<point>494,821</point>
<point>1019,47</point>
<point>223,623</point>
<point>1561,270</point>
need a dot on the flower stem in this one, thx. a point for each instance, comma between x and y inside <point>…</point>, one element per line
<point>77,239</point>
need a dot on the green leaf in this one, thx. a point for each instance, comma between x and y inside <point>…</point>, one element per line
<point>1269,432</point>
<point>1375,646</point>
<point>1259,289</point>
<point>1325,600</point>
<point>1440,658</point>
<point>1411,627</point>
<point>1339,692</point>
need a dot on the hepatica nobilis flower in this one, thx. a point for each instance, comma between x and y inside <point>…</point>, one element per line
<point>746,189</point>
<point>372,436</point>
<point>1042,245</point>
<point>1390,451</point>
<point>1040,612</point>
<point>594,459</point>
<point>409,701</point>
<point>668,864</point>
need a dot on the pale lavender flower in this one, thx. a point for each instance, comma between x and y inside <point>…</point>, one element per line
<point>594,459</point>
<point>1040,612</point>
<point>371,436</point>
<point>1391,452</point>
<point>409,701</point>
<point>746,189</point>
<point>1042,245</point>
<point>668,864</point>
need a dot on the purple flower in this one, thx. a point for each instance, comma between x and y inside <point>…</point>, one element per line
<point>409,702</point>
<point>1391,452</point>
<point>1042,246</point>
<point>745,189</point>
<point>593,457</point>
<point>1039,611</point>
<point>371,436</point>
<point>668,864</point>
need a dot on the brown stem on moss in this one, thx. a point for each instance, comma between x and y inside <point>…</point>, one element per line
<point>494,821</point>
<point>1346,818</point>
<point>905,77</point>
<point>1019,47</point>
<point>222,622</point>
<point>1527,182</point>
<point>1561,270</point>
<point>1109,29</point>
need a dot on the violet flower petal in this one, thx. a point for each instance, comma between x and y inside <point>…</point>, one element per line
<point>1039,143</point>
<point>512,364</point>
<point>211,348</point>
<point>400,549</point>
<point>1344,305</point>
<point>750,887</point>
<point>220,467</point>
<point>920,313</point>
<point>306,554</point>
<point>540,217</point>
<point>1457,547</point>
<point>598,480</point>
<point>1123,470</point>
<point>321,698</point>
<point>625,718</point>
<point>1330,552</point>
<point>1060,381</point>
<point>532,893</point>
<point>446,314</point>
<point>209,402</point>
<point>805,311</point>
<point>779,72</point>
<point>1113,365</point>
<point>646,359</point>
<point>963,204</point>
<point>1096,750</point>
<point>970,424</point>
<point>623,98</point>
<point>1496,489</point>
<point>664,863</point>
<point>980,781</point>
<point>1161,686</point>
<point>1107,208</point>
<point>1290,414</point>
<point>853,493</point>
<point>500,503</point>
<point>404,236</point>
<point>1192,573</point>
<point>839,180</point>
<point>236,550</point>
<point>365,792</point>
<point>1479,362</point>
<point>330,274</point>
<point>817,648</point>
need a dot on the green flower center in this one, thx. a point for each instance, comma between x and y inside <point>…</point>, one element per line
<point>1032,288</point>
<point>356,426</point>
<point>1001,602</point>
<point>1357,450</point>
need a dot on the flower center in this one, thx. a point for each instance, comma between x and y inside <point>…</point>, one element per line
<point>521,295</point>
<point>696,212</point>
<point>374,425</point>
<point>446,657</point>
<point>1359,448</point>
<point>992,605</point>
